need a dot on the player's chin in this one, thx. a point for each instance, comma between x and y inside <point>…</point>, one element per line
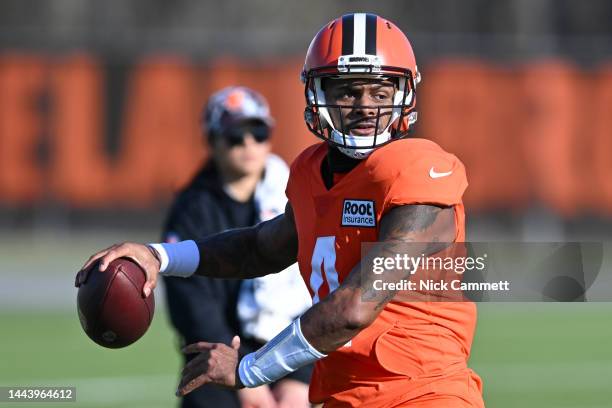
<point>362,131</point>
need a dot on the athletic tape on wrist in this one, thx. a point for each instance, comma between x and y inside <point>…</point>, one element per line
<point>282,355</point>
<point>178,259</point>
<point>162,256</point>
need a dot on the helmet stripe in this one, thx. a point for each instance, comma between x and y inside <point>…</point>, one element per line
<point>370,34</point>
<point>347,34</point>
<point>360,34</point>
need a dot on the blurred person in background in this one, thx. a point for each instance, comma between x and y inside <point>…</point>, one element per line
<point>240,185</point>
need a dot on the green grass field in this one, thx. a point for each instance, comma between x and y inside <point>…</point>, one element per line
<point>51,349</point>
<point>534,355</point>
<point>545,355</point>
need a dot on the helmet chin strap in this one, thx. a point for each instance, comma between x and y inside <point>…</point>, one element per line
<point>356,141</point>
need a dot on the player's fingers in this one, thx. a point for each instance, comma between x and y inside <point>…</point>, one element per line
<point>115,252</point>
<point>192,385</point>
<point>81,277</point>
<point>83,273</point>
<point>149,285</point>
<point>194,364</point>
<point>236,343</point>
<point>194,373</point>
<point>197,347</point>
<point>151,282</point>
<point>147,288</point>
<point>92,259</point>
<point>144,257</point>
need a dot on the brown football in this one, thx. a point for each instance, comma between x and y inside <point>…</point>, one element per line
<point>112,309</point>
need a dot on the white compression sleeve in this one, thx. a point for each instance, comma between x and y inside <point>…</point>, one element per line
<point>178,259</point>
<point>285,353</point>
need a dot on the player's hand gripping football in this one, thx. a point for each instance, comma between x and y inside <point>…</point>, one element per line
<point>216,363</point>
<point>139,253</point>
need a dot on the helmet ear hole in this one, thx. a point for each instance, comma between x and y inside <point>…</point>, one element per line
<point>412,118</point>
<point>314,120</point>
<point>400,128</point>
<point>309,116</point>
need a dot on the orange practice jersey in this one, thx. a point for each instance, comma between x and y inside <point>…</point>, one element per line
<point>410,344</point>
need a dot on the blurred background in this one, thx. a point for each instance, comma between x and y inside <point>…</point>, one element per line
<point>99,125</point>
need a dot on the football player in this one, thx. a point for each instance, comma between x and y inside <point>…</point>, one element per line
<point>366,182</point>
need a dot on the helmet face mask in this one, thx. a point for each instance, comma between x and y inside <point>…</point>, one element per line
<point>394,118</point>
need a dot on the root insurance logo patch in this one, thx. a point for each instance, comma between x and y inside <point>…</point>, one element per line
<point>358,213</point>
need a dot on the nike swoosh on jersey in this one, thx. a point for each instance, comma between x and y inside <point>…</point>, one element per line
<point>434,174</point>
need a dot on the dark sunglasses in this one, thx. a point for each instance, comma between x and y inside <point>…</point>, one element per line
<point>235,136</point>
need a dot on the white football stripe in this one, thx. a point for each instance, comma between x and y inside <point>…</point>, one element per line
<point>359,34</point>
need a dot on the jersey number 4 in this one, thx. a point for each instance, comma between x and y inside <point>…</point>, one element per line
<point>323,262</point>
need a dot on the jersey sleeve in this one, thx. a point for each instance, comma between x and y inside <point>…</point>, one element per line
<point>431,177</point>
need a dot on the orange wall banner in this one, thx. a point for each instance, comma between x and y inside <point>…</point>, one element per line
<point>536,132</point>
<point>22,80</point>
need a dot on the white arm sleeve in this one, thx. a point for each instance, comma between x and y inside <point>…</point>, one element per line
<point>285,353</point>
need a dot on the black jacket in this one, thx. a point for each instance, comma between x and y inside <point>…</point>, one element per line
<point>204,309</point>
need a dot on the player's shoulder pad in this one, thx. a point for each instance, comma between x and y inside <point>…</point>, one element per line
<point>420,171</point>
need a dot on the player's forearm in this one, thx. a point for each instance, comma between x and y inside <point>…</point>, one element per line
<point>242,253</point>
<point>333,322</point>
<point>237,253</point>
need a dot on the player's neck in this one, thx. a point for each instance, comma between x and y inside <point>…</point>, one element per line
<point>340,162</point>
<point>336,162</point>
